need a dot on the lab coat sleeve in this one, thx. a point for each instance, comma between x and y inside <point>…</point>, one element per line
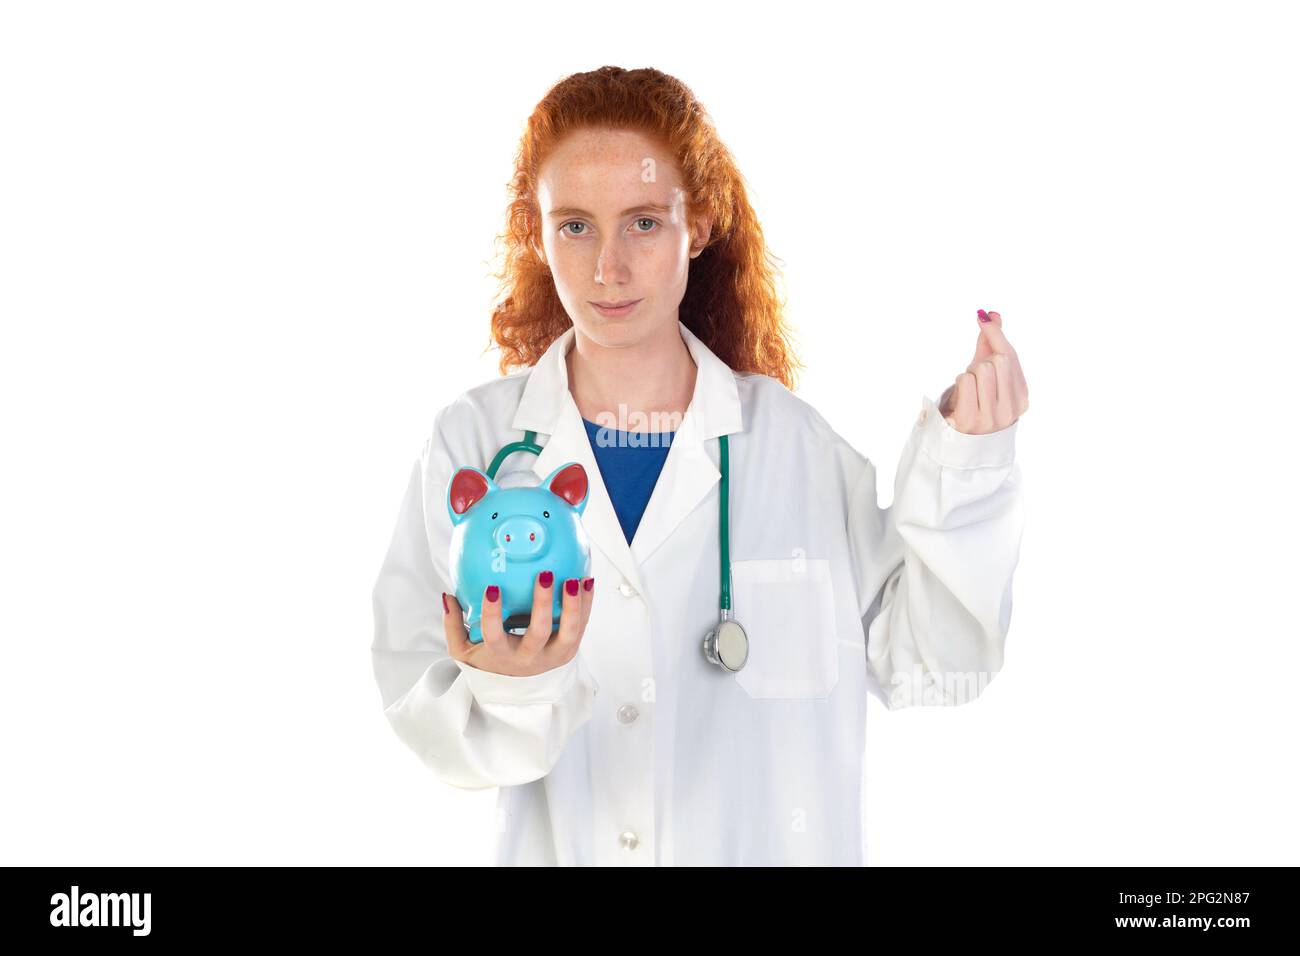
<point>934,570</point>
<point>472,727</point>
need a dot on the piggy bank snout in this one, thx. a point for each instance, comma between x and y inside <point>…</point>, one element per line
<point>521,536</point>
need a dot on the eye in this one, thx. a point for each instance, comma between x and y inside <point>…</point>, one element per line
<point>546,514</point>
<point>653,222</point>
<point>494,516</point>
<point>573,222</point>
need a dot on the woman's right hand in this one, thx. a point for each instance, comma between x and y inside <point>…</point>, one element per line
<point>537,650</point>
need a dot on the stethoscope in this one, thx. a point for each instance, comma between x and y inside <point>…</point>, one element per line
<point>726,645</point>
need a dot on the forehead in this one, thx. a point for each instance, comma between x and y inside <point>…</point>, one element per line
<point>608,170</point>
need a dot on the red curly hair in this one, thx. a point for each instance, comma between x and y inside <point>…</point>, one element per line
<point>731,300</point>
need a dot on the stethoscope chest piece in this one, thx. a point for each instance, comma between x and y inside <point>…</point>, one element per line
<point>727,645</point>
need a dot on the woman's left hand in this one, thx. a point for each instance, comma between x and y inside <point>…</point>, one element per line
<point>991,394</point>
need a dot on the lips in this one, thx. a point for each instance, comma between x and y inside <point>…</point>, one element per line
<point>615,309</point>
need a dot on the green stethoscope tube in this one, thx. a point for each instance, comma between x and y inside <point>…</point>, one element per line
<point>528,444</point>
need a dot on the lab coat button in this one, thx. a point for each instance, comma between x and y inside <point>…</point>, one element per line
<point>628,713</point>
<point>628,839</point>
<point>626,590</point>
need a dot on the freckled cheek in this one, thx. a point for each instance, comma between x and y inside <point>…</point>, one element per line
<point>572,270</point>
<point>664,266</point>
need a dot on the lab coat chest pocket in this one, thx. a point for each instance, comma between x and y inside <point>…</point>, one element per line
<point>787,608</point>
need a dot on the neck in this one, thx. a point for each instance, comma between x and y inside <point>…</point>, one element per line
<point>652,381</point>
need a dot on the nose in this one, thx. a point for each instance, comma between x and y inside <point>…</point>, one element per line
<point>610,268</point>
<point>522,537</point>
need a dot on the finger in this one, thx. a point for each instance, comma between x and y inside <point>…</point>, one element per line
<point>453,626</point>
<point>1004,411</point>
<point>986,378</point>
<point>966,404</point>
<point>994,336</point>
<point>588,598</point>
<point>539,622</point>
<point>947,401</point>
<point>570,616</point>
<point>494,636</point>
<point>1019,387</point>
<point>1019,390</point>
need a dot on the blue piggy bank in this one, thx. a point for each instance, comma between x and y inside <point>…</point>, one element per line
<point>508,536</point>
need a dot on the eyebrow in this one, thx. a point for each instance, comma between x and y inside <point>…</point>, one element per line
<point>646,207</point>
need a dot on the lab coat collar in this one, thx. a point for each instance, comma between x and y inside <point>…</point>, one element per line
<point>547,407</point>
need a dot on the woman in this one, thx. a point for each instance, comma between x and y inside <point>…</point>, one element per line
<point>640,304</point>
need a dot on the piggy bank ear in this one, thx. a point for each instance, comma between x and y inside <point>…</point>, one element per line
<point>467,486</point>
<point>570,483</point>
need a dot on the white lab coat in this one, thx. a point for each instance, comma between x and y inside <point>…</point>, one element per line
<point>639,751</point>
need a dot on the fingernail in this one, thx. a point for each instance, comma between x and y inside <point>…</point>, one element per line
<point>545,578</point>
<point>571,586</point>
<point>493,593</point>
<point>445,609</point>
<point>586,585</point>
<point>984,316</point>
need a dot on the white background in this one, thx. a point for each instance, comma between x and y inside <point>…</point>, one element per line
<point>244,257</point>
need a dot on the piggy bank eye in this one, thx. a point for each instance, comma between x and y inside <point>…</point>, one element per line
<point>546,514</point>
<point>494,516</point>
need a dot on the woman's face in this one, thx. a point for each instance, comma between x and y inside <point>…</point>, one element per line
<point>614,231</point>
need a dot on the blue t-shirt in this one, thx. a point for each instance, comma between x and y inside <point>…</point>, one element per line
<point>629,463</point>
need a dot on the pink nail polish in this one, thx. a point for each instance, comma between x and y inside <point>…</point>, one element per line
<point>445,609</point>
<point>586,585</point>
<point>571,586</point>
<point>984,316</point>
<point>545,578</point>
<point>493,593</point>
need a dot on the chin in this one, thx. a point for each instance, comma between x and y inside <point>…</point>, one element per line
<point>596,325</point>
